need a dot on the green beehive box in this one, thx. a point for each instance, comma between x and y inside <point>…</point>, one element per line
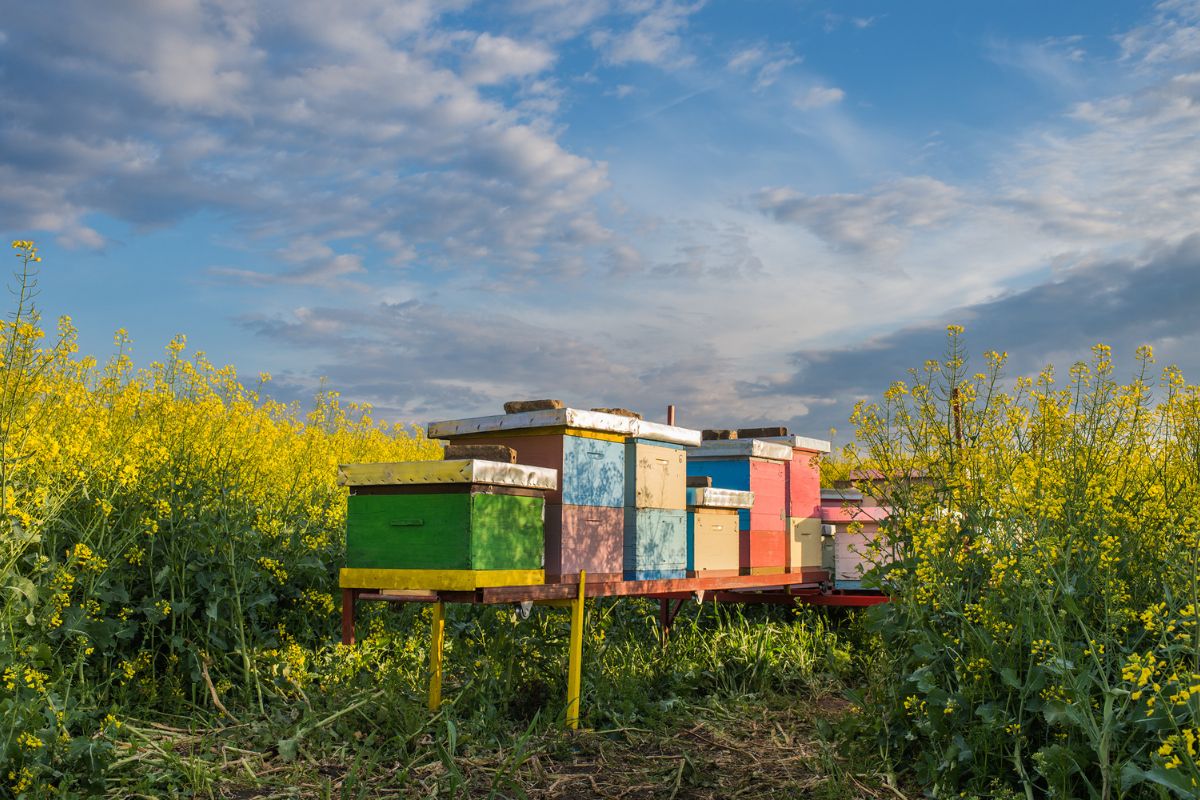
<point>445,516</point>
<point>475,529</point>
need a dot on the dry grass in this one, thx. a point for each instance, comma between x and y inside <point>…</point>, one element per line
<point>748,751</point>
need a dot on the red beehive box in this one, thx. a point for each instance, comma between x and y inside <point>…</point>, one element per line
<point>760,467</point>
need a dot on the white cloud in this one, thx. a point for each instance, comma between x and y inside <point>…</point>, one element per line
<point>767,63</point>
<point>878,221</point>
<point>654,39</point>
<point>495,59</point>
<point>819,97</point>
<point>330,120</point>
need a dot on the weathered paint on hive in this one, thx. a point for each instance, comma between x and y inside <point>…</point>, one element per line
<point>655,574</point>
<point>565,418</point>
<point>493,437</point>
<point>804,544</point>
<point>768,482</point>
<point>762,552</point>
<point>447,580</point>
<point>589,471</point>
<point>841,514</point>
<point>852,556</point>
<point>455,471</point>
<point>591,538</point>
<point>655,475</point>
<point>803,474</point>
<point>716,497</point>
<point>714,542</point>
<point>593,472</point>
<point>444,531</point>
<point>655,538</point>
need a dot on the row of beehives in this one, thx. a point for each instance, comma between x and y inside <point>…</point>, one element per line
<point>541,494</point>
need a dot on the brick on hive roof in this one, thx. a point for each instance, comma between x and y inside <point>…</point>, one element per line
<point>481,452</point>
<point>620,412</point>
<point>519,406</point>
<point>761,433</point>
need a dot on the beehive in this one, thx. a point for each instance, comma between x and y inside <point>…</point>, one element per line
<point>802,491</point>
<point>655,544</point>
<point>655,474</point>
<point>586,519</point>
<point>458,524</point>
<point>850,553</point>
<point>713,537</point>
<point>760,467</point>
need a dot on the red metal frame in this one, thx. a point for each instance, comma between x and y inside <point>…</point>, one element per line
<point>786,588</point>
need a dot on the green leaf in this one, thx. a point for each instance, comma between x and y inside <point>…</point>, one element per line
<point>1173,779</point>
<point>25,588</point>
<point>288,749</point>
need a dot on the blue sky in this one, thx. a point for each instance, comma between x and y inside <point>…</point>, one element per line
<point>760,211</point>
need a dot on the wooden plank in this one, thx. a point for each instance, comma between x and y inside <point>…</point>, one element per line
<point>656,588</point>
<point>716,434</point>
<point>439,579</point>
<point>699,481</point>
<point>521,406</point>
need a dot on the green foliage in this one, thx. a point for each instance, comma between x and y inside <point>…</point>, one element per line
<point>1042,561</point>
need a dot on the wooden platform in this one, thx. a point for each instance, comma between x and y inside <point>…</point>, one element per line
<point>804,587</point>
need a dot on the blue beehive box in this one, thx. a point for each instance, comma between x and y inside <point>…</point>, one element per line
<point>655,544</point>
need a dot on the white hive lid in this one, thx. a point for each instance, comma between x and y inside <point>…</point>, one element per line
<point>415,473</point>
<point>741,448</point>
<point>713,497</point>
<point>566,418</point>
<point>802,443</point>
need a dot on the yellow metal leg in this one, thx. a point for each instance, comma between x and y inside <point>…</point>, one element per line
<point>436,636</point>
<point>575,663</point>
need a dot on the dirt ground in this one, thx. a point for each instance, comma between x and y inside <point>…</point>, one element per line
<point>751,753</point>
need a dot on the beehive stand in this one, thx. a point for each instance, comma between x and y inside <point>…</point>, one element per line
<point>784,589</point>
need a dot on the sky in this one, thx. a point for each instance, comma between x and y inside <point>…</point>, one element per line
<point>759,211</point>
